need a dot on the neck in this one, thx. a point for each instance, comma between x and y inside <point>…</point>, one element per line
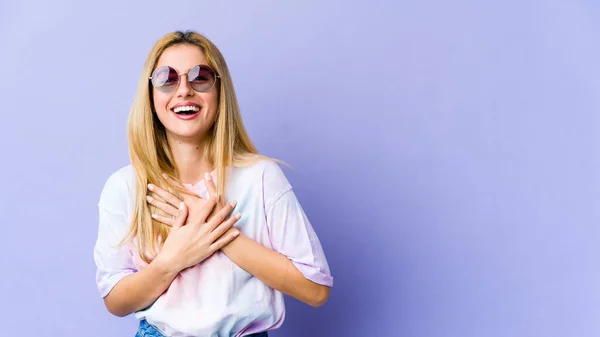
<point>190,158</point>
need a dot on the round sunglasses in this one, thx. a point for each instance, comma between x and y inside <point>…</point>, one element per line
<point>201,78</point>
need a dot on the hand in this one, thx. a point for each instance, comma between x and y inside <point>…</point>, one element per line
<point>191,242</point>
<point>199,209</point>
<point>212,193</point>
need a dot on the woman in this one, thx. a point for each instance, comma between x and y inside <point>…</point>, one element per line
<point>168,249</point>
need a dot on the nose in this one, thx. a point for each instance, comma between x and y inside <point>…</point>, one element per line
<point>184,89</point>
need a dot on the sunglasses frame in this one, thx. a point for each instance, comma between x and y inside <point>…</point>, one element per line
<point>162,88</point>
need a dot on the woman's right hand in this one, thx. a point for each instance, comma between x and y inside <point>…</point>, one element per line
<point>190,243</point>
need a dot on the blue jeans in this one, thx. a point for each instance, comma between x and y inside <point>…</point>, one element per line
<point>147,330</point>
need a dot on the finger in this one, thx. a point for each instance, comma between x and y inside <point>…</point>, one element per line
<point>224,240</point>
<point>167,208</point>
<point>168,197</point>
<point>207,208</point>
<point>210,185</point>
<point>221,215</point>
<point>167,220</point>
<point>181,216</point>
<point>154,195</point>
<point>224,226</point>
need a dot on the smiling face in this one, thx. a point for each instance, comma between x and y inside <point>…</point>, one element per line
<point>184,112</point>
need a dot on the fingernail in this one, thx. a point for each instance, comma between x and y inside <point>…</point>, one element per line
<point>207,176</point>
<point>154,216</point>
<point>233,203</point>
<point>236,233</point>
<point>238,216</point>
<point>150,187</point>
<point>182,205</point>
<point>149,198</point>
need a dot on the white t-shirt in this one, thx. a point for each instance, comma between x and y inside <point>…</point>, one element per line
<point>216,297</point>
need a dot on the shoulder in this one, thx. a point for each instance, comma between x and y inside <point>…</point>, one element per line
<point>265,171</point>
<point>118,188</point>
<point>263,176</point>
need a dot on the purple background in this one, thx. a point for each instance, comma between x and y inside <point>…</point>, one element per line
<point>445,151</point>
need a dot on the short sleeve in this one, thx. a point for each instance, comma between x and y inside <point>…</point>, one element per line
<point>113,262</point>
<point>290,231</point>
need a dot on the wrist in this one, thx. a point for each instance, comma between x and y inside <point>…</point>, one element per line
<point>165,266</point>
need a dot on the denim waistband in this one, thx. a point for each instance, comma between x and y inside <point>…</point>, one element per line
<point>147,330</point>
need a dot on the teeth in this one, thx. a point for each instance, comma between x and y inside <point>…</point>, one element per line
<point>186,108</point>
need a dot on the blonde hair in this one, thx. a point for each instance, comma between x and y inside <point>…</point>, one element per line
<point>228,142</point>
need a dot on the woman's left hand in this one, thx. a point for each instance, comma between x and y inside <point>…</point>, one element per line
<point>190,200</point>
<point>212,192</point>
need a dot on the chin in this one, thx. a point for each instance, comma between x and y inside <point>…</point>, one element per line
<point>195,133</point>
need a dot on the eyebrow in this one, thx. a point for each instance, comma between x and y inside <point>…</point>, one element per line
<point>178,71</point>
<point>192,66</point>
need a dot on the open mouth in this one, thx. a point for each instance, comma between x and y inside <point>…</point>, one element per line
<point>186,110</point>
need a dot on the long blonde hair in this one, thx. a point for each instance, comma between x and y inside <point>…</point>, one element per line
<point>228,142</point>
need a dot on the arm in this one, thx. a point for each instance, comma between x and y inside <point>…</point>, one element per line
<point>139,290</point>
<point>295,265</point>
<point>275,270</point>
<point>126,289</point>
<point>309,283</point>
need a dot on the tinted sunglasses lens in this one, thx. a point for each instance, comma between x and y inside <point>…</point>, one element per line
<point>201,78</point>
<point>165,78</point>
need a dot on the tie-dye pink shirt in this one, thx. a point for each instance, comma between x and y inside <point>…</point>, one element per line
<point>216,297</point>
